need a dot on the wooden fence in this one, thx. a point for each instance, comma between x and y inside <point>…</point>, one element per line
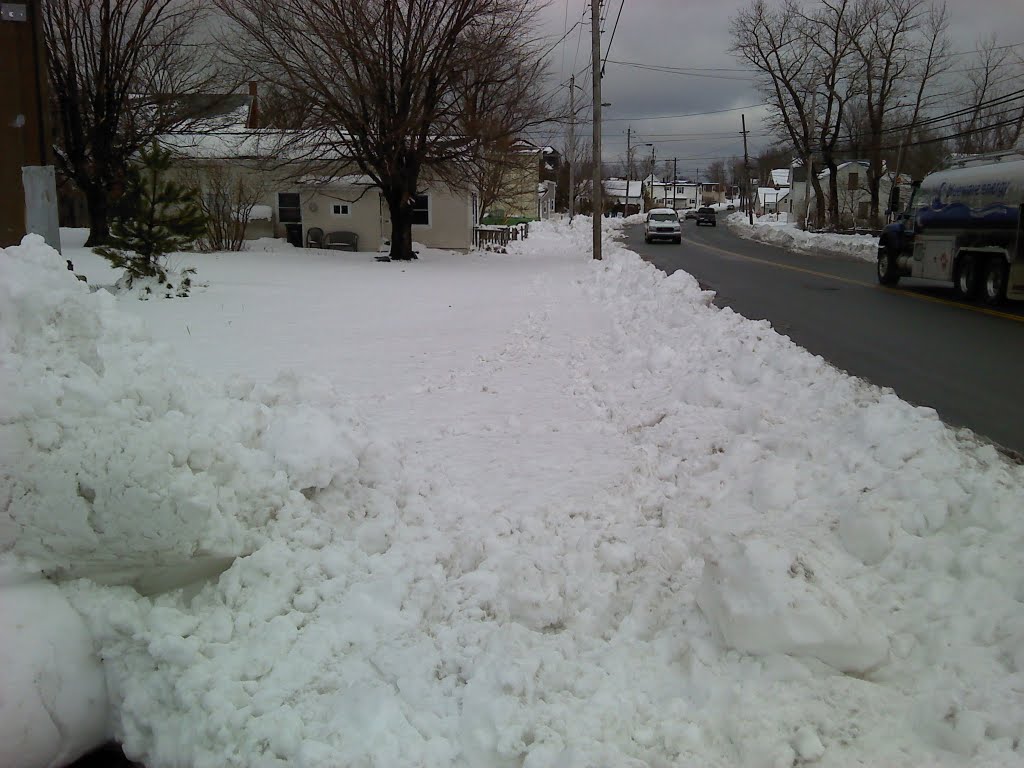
<point>495,238</point>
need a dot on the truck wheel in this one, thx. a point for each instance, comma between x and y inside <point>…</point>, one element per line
<point>965,277</point>
<point>888,272</point>
<point>993,281</point>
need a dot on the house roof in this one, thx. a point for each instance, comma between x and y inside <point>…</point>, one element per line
<point>780,176</point>
<point>770,194</point>
<point>824,174</point>
<point>618,187</point>
<point>205,111</point>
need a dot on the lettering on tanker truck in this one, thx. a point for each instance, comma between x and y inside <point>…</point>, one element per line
<point>952,204</point>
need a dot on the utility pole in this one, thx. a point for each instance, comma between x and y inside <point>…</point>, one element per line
<point>746,171</point>
<point>629,167</point>
<point>596,194</point>
<point>809,166</point>
<point>25,136</point>
<point>653,162</point>
<point>572,146</point>
<point>675,177</point>
<point>700,189</point>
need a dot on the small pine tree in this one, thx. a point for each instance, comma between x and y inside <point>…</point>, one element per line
<point>156,216</point>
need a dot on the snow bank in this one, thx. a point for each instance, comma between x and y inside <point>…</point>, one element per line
<point>112,464</point>
<point>778,230</point>
<point>626,528</point>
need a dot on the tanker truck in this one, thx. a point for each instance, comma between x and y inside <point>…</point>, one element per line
<point>963,225</point>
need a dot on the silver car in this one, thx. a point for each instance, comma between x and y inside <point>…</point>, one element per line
<point>662,224</point>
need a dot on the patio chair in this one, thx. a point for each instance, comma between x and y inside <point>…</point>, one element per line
<point>342,241</point>
<point>314,237</point>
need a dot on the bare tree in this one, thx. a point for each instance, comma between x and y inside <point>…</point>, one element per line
<point>993,114</point>
<point>832,29</point>
<point>399,88</point>
<point>775,43</point>
<point>896,36</point>
<point>117,68</point>
<point>932,61</point>
<point>227,198</point>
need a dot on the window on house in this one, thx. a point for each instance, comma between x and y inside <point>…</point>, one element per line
<point>340,209</point>
<point>853,181</point>
<point>421,210</point>
<point>288,207</point>
<point>862,209</point>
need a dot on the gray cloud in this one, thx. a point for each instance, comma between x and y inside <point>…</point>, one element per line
<point>695,34</point>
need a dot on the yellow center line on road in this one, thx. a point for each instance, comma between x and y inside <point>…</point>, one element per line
<point>867,284</point>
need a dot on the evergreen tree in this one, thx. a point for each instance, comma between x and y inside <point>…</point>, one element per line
<point>155,216</point>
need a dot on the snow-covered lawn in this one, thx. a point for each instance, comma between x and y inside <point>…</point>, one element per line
<point>519,509</point>
<point>778,230</point>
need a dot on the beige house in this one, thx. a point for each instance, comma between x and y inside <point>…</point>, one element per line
<point>287,205</point>
<point>524,192</point>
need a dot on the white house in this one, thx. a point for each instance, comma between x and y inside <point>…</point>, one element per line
<point>682,193</point>
<point>854,196</point>
<point>617,191</point>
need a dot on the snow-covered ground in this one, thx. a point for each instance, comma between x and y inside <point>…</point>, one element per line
<point>519,509</point>
<point>778,230</point>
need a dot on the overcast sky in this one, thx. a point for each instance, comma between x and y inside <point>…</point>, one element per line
<point>695,34</point>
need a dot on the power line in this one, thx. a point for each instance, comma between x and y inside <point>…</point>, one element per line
<point>612,38</point>
<point>688,114</point>
<point>559,42</point>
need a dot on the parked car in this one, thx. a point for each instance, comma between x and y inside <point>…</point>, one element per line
<point>707,216</point>
<point>691,213</point>
<point>730,207</point>
<point>662,224</point>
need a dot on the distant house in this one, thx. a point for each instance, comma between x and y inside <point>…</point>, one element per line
<point>339,199</point>
<point>770,200</point>
<point>682,194</point>
<point>618,191</point>
<point>773,198</point>
<point>854,196</point>
<point>529,184</point>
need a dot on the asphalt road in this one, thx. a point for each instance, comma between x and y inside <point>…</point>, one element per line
<point>966,362</point>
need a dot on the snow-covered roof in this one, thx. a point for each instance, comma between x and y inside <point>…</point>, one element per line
<point>618,187</point>
<point>242,144</point>
<point>349,180</point>
<point>770,194</point>
<point>824,174</point>
<point>780,177</point>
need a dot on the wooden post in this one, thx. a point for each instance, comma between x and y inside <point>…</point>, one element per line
<point>596,193</point>
<point>746,170</point>
<point>25,136</point>
<point>572,146</point>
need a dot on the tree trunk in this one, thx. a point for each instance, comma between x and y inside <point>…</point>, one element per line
<point>98,205</point>
<point>833,194</point>
<point>819,202</point>
<point>400,208</point>
<point>874,183</point>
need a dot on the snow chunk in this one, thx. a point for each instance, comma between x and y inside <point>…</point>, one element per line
<point>763,599</point>
<point>53,696</point>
